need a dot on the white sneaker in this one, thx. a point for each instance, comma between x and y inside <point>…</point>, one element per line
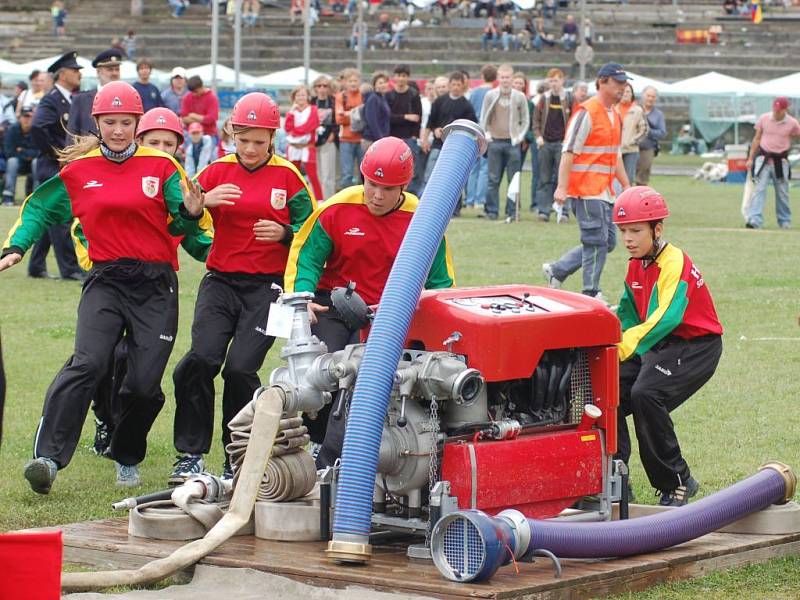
<point>127,475</point>
<point>609,306</point>
<point>552,281</point>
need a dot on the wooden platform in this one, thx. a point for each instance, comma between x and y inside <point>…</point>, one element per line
<point>106,544</point>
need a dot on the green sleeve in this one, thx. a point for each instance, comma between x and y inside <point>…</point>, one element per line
<point>48,205</point>
<point>626,311</point>
<point>198,245</point>
<point>300,208</point>
<point>441,274</point>
<point>307,259</point>
<point>182,223</point>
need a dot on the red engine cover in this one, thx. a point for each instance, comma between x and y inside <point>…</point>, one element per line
<point>539,474</point>
<point>507,343</point>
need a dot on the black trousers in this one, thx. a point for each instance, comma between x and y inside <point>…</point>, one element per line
<point>58,236</point>
<point>106,405</point>
<point>230,321</point>
<point>325,429</point>
<point>137,299</point>
<point>651,387</point>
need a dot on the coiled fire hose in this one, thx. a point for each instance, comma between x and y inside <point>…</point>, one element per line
<point>267,409</point>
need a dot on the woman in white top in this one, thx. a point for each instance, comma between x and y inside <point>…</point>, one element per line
<point>301,125</point>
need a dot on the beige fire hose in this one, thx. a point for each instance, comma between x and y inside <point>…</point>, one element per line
<point>268,408</point>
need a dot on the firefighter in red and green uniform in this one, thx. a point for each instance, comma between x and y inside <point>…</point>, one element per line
<point>671,341</point>
<point>161,129</point>
<point>123,195</point>
<point>264,200</point>
<point>355,236</point>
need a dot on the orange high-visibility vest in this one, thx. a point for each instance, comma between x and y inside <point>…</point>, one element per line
<point>592,171</point>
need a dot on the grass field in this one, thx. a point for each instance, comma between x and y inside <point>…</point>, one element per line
<point>745,416</point>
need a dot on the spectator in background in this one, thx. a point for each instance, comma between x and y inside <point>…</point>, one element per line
<point>250,10</point>
<point>200,105</point>
<point>227,145</point>
<point>151,97</point>
<point>768,161</point>
<point>106,65</point>
<point>398,32</point>
<point>173,95</point>
<point>355,38</point>
<point>59,16</point>
<point>634,130</point>
<point>445,109</point>
<point>327,140</point>
<point>478,177</point>
<point>426,101</point>
<point>376,111</point>
<point>569,34</point>
<point>580,93</point>
<point>507,34</point>
<point>178,7</point>
<point>649,148</point>
<point>490,34</point>
<point>116,44</point>
<point>549,8</point>
<point>129,44</point>
<point>521,84</point>
<point>504,117</point>
<point>404,120</point>
<point>441,85</point>
<point>36,90</point>
<point>550,118</point>
<point>301,125</point>
<point>199,150</point>
<point>384,34</point>
<point>8,105</point>
<point>350,152</point>
<point>540,36</point>
<point>21,154</point>
<point>484,7</point>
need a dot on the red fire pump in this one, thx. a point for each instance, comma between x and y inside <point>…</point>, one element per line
<point>545,356</point>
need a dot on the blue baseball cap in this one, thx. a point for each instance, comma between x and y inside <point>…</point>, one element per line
<point>613,70</point>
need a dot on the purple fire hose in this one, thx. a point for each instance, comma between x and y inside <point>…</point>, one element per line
<point>470,545</point>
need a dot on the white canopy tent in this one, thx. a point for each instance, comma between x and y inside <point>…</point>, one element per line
<point>286,79</point>
<point>788,85</point>
<point>713,83</point>
<point>639,82</point>
<point>226,77</point>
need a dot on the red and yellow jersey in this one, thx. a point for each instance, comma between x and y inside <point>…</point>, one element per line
<point>276,192</point>
<point>667,296</point>
<point>124,207</point>
<point>342,242</point>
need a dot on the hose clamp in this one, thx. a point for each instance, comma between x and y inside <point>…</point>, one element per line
<point>470,128</point>
<point>349,552</point>
<point>789,478</point>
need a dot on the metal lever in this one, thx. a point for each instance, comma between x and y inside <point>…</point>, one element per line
<point>454,337</point>
<point>401,420</point>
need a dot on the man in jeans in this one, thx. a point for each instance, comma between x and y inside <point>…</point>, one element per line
<point>505,119</point>
<point>404,120</point>
<point>478,177</point>
<point>769,161</point>
<point>327,136</point>
<point>350,152</point>
<point>550,118</point>
<point>21,153</point>
<point>649,145</point>
<point>590,161</point>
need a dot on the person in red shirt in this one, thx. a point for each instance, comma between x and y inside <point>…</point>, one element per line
<point>671,342</point>
<point>265,200</point>
<point>355,236</point>
<point>200,105</point>
<point>124,197</point>
<point>301,125</point>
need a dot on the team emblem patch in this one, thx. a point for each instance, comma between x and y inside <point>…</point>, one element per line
<point>379,172</point>
<point>278,199</point>
<point>116,102</point>
<point>620,212</point>
<point>161,121</point>
<point>150,186</point>
<point>251,116</point>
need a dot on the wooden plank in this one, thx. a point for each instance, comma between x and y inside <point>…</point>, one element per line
<point>106,544</point>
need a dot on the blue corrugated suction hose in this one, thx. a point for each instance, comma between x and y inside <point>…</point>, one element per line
<point>353,514</point>
<point>464,551</point>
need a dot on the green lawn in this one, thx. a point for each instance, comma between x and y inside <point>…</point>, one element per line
<point>745,416</point>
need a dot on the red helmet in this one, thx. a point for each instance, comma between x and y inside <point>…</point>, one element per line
<point>388,162</point>
<point>160,118</point>
<point>639,204</point>
<point>117,98</point>
<point>256,109</point>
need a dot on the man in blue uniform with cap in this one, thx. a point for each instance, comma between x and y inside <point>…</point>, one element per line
<point>107,65</point>
<point>49,130</point>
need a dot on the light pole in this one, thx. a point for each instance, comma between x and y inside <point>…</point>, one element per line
<point>360,37</point>
<point>214,43</point>
<point>306,40</point>
<point>237,43</point>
